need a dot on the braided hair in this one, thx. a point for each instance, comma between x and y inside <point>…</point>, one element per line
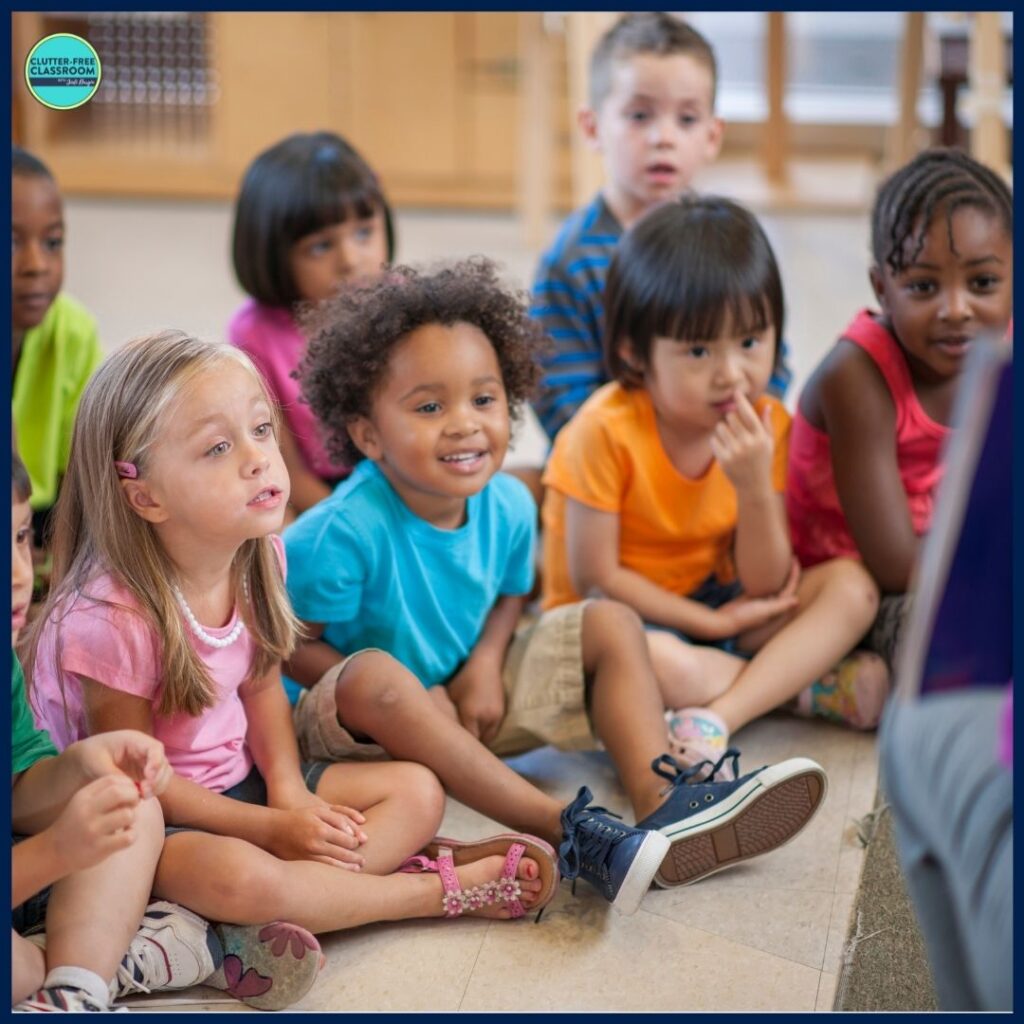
<point>937,181</point>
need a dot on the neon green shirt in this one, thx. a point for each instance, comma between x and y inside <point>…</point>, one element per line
<point>28,744</point>
<point>57,359</point>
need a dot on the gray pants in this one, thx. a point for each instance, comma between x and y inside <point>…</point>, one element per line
<point>952,803</point>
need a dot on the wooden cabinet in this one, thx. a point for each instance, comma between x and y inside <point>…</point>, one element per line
<point>431,99</point>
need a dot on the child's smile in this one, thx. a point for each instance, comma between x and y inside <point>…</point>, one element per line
<point>439,424</point>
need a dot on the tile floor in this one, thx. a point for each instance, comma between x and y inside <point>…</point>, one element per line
<point>766,935</point>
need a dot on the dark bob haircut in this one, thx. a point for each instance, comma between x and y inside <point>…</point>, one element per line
<point>351,338</point>
<point>689,269</point>
<point>302,184</point>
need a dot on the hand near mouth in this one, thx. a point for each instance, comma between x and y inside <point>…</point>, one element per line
<point>743,444</point>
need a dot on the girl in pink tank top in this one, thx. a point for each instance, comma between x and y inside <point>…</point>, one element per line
<point>866,446</point>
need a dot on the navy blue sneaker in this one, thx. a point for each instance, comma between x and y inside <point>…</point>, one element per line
<point>618,860</point>
<point>712,825</point>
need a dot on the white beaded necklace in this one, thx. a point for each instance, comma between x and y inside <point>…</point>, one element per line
<point>197,629</point>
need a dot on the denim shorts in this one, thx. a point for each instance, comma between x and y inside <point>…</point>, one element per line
<point>253,790</point>
<point>712,593</point>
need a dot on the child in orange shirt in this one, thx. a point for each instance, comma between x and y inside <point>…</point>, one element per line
<point>664,491</point>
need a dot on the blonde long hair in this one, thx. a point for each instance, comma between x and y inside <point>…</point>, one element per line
<point>95,531</point>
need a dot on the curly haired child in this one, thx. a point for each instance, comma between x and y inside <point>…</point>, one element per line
<point>168,614</point>
<point>412,578</point>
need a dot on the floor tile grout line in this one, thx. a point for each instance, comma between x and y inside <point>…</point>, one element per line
<point>476,960</point>
<point>740,942</point>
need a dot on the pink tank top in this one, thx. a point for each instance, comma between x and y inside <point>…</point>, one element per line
<point>816,519</point>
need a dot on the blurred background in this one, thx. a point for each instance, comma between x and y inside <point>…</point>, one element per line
<point>469,119</point>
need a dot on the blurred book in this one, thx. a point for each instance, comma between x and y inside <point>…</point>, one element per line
<point>960,629</point>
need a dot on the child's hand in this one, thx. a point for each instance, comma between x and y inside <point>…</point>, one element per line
<point>321,832</point>
<point>96,822</point>
<point>479,697</point>
<point>743,443</point>
<point>127,751</point>
<point>743,613</point>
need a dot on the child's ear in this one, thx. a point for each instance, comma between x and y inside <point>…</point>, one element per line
<point>628,356</point>
<point>878,286</point>
<point>716,133</point>
<point>586,118</point>
<point>141,501</point>
<point>364,436</point>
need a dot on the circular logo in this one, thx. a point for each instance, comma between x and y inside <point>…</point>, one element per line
<point>62,71</point>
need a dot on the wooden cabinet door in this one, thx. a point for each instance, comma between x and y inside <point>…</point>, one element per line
<point>405,105</point>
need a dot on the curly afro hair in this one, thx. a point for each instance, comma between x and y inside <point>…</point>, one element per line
<point>351,338</point>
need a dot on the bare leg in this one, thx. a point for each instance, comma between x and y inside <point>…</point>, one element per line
<point>378,697</point>
<point>403,804</point>
<point>227,879</point>
<point>93,915</point>
<point>28,968</point>
<point>838,602</point>
<point>625,702</point>
<point>689,674</point>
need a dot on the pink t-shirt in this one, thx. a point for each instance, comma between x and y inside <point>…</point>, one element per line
<point>816,517</point>
<point>114,645</point>
<point>272,340</point>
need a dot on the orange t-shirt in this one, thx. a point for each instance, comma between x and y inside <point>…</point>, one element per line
<point>673,529</point>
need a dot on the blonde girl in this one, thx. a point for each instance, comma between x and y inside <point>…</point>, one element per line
<point>168,614</point>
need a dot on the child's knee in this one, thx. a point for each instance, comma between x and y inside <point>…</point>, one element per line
<point>610,621</point>
<point>859,591</point>
<point>420,788</point>
<point>149,820</point>
<point>373,680</point>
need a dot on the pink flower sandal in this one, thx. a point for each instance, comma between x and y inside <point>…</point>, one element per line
<point>443,855</point>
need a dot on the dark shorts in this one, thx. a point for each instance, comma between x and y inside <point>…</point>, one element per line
<point>253,790</point>
<point>30,917</point>
<point>712,593</point>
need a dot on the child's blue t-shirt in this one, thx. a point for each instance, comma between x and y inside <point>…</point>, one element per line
<point>377,575</point>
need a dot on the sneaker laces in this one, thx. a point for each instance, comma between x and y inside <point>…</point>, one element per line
<point>585,841</point>
<point>136,969</point>
<point>668,768</point>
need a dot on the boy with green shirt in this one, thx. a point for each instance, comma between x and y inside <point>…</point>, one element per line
<point>54,344</point>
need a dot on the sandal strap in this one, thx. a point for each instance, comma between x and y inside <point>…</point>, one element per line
<point>508,875</point>
<point>417,862</point>
<point>452,900</point>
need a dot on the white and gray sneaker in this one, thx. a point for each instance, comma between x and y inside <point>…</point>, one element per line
<point>172,949</point>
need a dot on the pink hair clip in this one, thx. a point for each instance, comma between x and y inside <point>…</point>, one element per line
<point>126,470</point>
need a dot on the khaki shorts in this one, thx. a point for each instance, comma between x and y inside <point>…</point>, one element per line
<point>545,697</point>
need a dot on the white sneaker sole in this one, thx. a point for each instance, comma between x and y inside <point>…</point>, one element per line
<point>762,815</point>
<point>646,863</point>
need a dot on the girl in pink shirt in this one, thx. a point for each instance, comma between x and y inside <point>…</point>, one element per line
<point>168,614</point>
<point>310,217</point>
<point>866,443</point>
